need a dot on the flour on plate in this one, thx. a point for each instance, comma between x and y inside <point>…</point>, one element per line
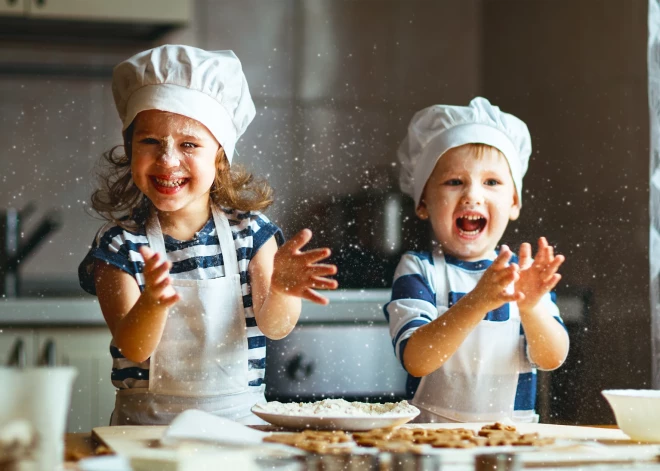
<point>337,408</point>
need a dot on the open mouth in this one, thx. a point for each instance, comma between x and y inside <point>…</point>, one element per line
<point>470,224</point>
<point>168,185</point>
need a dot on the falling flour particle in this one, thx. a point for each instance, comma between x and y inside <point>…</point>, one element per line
<point>336,408</point>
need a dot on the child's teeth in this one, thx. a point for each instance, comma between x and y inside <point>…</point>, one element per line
<point>169,183</point>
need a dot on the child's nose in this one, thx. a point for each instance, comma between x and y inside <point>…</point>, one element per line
<point>168,157</point>
<point>472,195</point>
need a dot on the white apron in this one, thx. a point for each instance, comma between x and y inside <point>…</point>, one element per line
<point>201,361</point>
<point>478,382</point>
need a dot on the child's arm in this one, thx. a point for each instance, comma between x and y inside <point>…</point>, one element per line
<point>547,339</point>
<point>136,320</point>
<point>432,344</point>
<point>280,278</point>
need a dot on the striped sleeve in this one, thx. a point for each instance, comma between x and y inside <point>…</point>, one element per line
<point>116,246</point>
<point>413,300</point>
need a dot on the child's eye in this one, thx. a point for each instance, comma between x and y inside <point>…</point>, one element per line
<point>149,140</point>
<point>453,182</point>
<point>492,182</point>
<point>190,145</point>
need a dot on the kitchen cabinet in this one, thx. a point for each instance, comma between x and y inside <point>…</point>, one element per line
<point>86,349</point>
<point>13,7</point>
<point>176,11</point>
<point>17,341</point>
<point>147,11</point>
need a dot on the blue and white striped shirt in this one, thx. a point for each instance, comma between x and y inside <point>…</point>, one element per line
<point>414,304</point>
<point>195,259</point>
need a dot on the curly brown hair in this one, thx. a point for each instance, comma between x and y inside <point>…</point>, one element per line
<point>119,200</point>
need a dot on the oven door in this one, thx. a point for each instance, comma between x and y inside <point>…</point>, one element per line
<point>350,361</point>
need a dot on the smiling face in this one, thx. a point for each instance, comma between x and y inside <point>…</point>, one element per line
<point>470,198</point>
<point>173,161</point>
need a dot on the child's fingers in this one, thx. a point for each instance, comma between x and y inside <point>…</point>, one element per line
<point>151,258</point>
<point>551,282</point>
<point>315,255</point>
<point>543,243</point>
<point>322,270</point>
<point>159,273</point>
<point>146,252</point>
<point>503,258</point>
<point>169,301</point>
<point>546,252</point>
<point>545,272</point>
<point>159,288</point>
<point>319,282</point>
<point>525,257</point>
<point>150,261</point>
<point>299,240</point>
<point>311,295</point>
<point>551,251</point>
<point>512,297</point>
<point>554,265</point>
<point>507,275</point>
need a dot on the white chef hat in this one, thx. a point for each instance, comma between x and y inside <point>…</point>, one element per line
<point>207,86</point>
<point>438,128</point>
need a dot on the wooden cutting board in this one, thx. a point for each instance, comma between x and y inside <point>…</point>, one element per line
<point>126,439</point>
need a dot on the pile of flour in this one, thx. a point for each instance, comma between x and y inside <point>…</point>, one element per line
<point>337,408</point>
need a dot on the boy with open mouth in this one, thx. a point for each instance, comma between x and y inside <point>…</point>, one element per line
<point>471,323</point>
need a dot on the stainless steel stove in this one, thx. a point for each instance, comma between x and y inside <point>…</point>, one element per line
<point>342,350</point>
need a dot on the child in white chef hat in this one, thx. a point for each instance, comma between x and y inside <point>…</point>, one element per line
<point>471,321</point>
<point>188,271</point>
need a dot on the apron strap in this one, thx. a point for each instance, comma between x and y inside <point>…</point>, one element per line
<point>155,234</point>
<point>439,270</point>
<point>226,240</point>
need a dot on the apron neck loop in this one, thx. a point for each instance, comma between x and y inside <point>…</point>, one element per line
<point>222,229</point>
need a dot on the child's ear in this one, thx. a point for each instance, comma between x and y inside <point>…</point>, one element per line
<point>422,211</point>
<point>515,208</point>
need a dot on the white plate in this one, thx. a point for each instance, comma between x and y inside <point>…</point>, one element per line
<point>323,422</point>
<point>104,463</point>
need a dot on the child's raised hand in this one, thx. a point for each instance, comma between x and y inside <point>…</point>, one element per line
<point>296,273</point>
<point>492,289</point>
<point>539,275</point>
<point>157,283</point>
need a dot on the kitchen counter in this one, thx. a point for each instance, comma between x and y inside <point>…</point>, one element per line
<point>361,306</point>
<point>50,312</point>
<point>630,455</point>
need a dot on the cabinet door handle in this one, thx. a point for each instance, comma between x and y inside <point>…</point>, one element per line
<point>18,355</point>
<point>48,354</point>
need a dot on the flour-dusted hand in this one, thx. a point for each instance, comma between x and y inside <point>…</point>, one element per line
<point>157,283</point>
<point>537,276</point>
<point>492,289</point>
<point>297,273</point>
